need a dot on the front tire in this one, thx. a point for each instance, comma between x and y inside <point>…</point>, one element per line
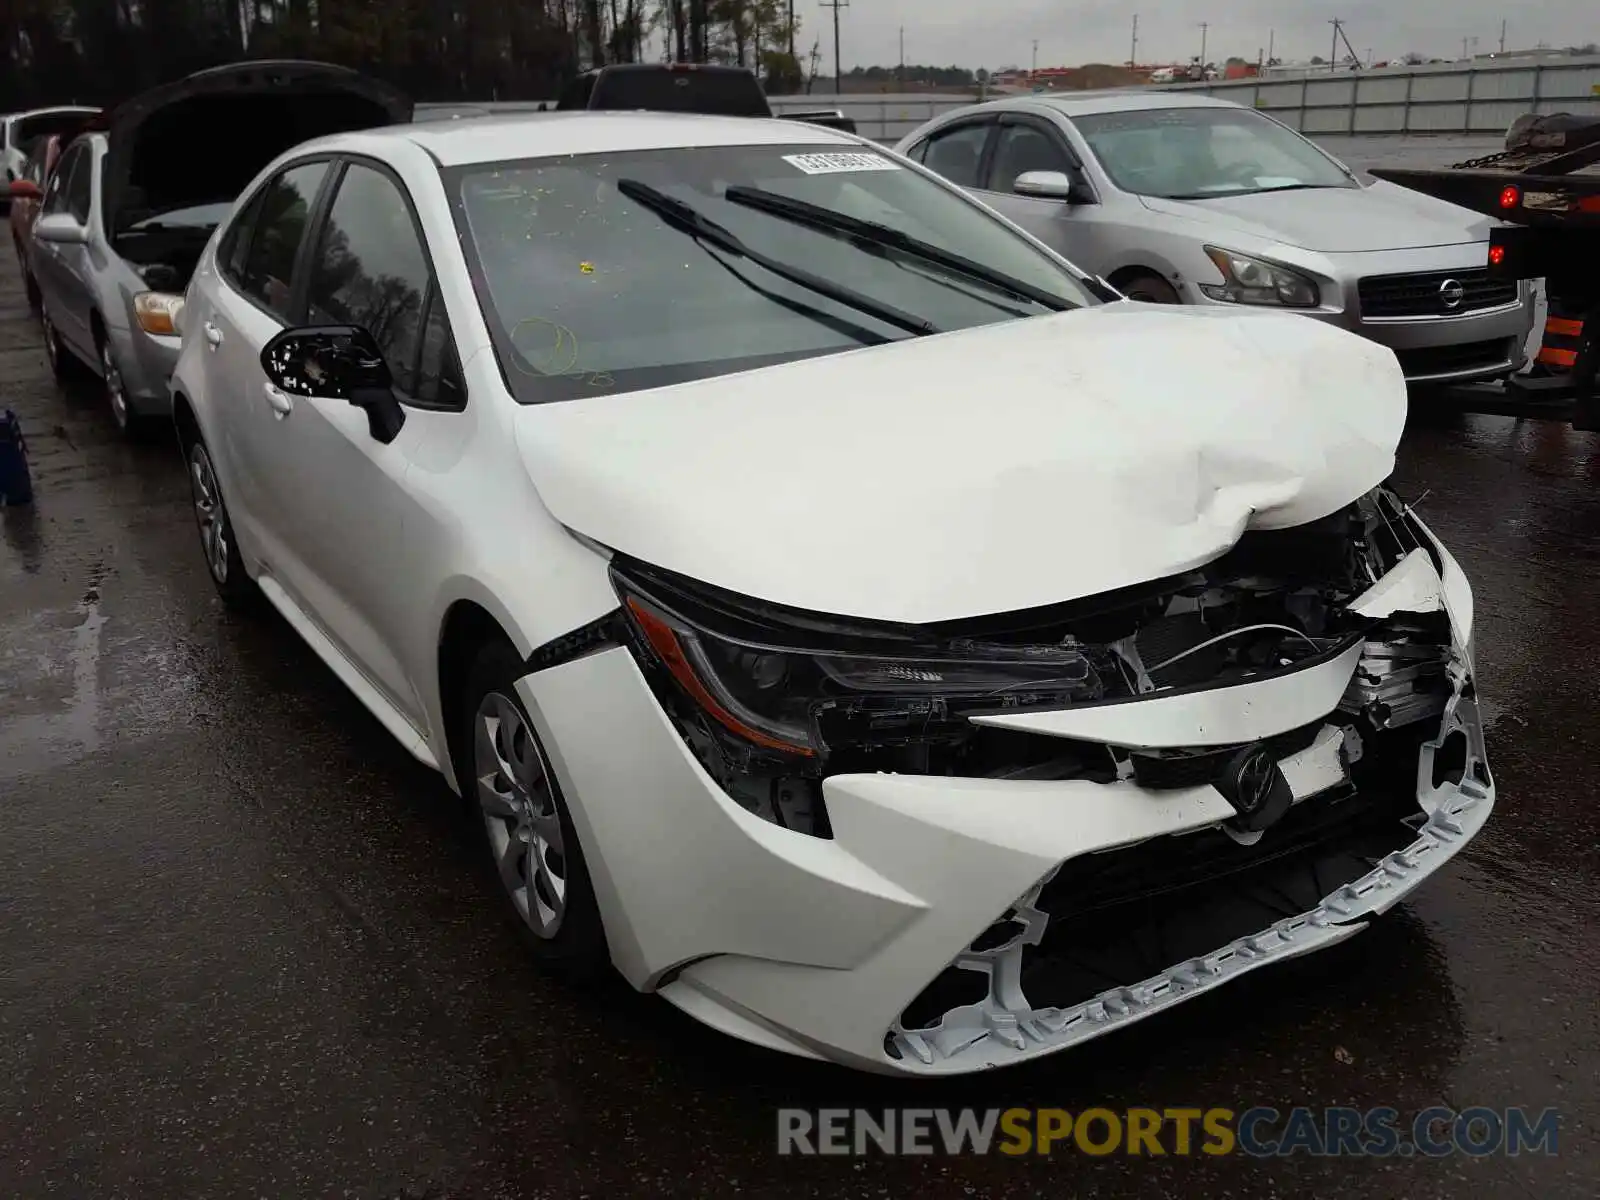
<point>217,543</point>
<point>505,772</point>
<point>1150,289</point>
<point>129,423</point>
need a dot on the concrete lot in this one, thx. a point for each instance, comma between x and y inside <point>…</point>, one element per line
<point>247,947</point>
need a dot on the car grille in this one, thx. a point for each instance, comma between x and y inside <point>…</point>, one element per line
<point>1419,295</point>
<point>1450,360</point>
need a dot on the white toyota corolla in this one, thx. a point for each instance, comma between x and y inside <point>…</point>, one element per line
<point>852,626</point>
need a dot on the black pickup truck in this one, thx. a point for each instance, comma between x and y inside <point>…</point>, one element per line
<point>1545,187</point>
<point>686,88</point>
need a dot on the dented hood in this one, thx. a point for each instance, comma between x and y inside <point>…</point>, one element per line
<point>981,471</point>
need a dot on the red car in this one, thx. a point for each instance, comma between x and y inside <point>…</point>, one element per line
<point>27,192</point>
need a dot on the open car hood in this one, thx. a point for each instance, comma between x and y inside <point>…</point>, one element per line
<point>982,471</point>
<point>200,139</point>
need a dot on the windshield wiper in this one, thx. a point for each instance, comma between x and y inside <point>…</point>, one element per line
<point>802,212</point>
<point>703,229</point>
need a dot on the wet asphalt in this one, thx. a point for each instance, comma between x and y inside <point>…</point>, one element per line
<point>249,948</point>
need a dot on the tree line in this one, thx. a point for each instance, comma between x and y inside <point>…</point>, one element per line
<point>101,51</point>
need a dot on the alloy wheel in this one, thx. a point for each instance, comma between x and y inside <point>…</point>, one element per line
<point>116,396</point>
<point>209,513</point>
<point>520,815</point>
<point>52,342</point>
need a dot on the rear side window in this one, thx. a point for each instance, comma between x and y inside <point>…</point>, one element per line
<point>266,274</point>
<point>957,153</point>
<point>371,269</point>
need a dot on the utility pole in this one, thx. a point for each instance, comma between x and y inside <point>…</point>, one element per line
<point>1133,49</point>
<point>838,69</point>
<point>1333,55</point>
<point>791,32</point>
<point>1502,37</point>
<point>1203,28</point>
<point>1032,75</point>
<point>900,78</point>
<point>1272,45</point>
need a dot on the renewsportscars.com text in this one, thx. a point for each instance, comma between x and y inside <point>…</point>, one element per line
<point>1259,1132</point>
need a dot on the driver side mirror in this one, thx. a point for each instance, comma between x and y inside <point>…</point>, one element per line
<point>60,228</point>
<point>336,362</point>
<point>23,189</point>
<point>1051,185</point>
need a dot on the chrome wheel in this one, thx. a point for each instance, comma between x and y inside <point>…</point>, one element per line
<point>209,514</point>
<point>52,342</point>
<point>519,812</point>
<point>115,394</point>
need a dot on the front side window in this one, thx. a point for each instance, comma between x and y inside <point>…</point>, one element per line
<point>957,153</point>
<point>57,189</point>
<point>1196,153</point>
<point>371,270</point>
<point>78,187</point>
<point>267,272</point>
<point>588,290</point>
<point>1023,148</point>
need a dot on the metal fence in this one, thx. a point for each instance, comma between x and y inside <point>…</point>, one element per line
<point>1452,98</point>
<point>1447,99</point>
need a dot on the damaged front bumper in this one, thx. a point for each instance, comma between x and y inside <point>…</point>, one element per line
<point>841,948</point>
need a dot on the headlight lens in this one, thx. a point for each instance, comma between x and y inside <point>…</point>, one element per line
<point>780,692</point>
<point>1249,280</point>
<point>158,312</point>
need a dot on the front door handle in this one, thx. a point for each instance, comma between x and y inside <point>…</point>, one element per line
<point>278,400</point>
<point>213,334</point>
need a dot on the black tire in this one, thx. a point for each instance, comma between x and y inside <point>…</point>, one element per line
<point>576,946</point>
<point>223,562</point>
<point>1149,288</point>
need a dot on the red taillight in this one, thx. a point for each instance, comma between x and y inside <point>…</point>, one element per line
<point>1497,255</point>
<point>1510,197</point>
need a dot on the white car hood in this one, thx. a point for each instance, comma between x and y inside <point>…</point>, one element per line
<point>1381,216</point>
<point>982,471</point>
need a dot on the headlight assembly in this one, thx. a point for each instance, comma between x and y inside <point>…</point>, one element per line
<point>1249,280</point>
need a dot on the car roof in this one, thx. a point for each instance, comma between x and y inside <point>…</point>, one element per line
<point>1118,100</point>
<point>454,143</point>
<point>45,112</point>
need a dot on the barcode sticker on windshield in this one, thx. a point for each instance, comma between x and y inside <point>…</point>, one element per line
<point>839,161</point>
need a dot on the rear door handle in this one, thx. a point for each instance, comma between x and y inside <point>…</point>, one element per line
<point>213,334</point>
<point>278,400</point>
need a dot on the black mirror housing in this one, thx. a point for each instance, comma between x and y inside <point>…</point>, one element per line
<point>337,362</point>
<point>333,361</point>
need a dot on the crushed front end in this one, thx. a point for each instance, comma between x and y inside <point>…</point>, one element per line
<point>934,849</point>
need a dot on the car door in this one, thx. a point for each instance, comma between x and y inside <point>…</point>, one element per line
<point>337,492</point>
<point>1026,143</point>
<point>62,268</point>
<point>242,302</point>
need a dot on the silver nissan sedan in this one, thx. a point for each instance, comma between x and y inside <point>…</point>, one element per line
<point>1180,198</point>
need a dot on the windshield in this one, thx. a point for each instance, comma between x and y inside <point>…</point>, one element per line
<point>25,129</point>
<point>589,292</point>
<point>1195,153</point>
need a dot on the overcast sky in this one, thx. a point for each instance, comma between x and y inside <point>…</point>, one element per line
<point>996,33</point>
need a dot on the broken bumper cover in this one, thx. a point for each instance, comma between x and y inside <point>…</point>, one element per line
<point>818,946</point>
